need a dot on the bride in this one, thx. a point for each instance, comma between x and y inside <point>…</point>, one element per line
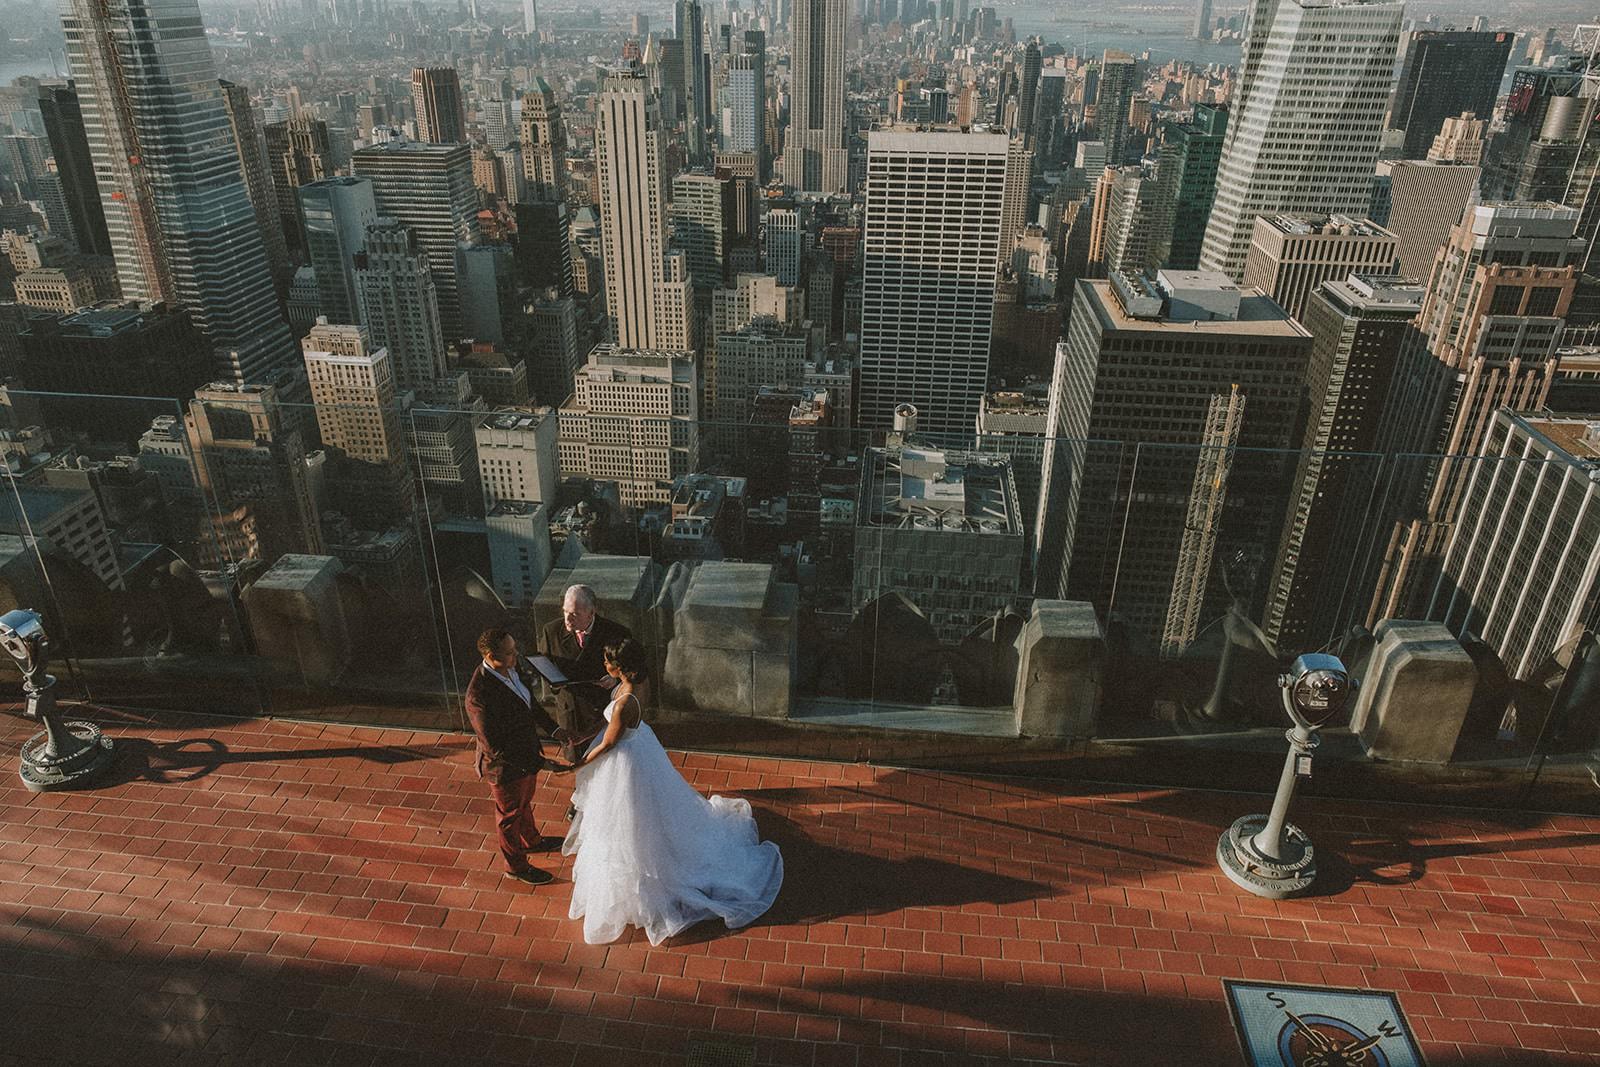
<point>651,851</point>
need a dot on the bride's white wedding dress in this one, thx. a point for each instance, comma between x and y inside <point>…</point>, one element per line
<point>653,853</point>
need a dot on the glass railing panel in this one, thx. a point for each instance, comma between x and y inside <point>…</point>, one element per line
<point>112,541</point>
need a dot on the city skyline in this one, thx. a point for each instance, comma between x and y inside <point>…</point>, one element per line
<point>848,223</point>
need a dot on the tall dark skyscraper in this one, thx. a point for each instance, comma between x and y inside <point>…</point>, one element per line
<point>1190,153</point>
<point>1028,88</point>
<point>436,98</point>
<point>696,79</point>
<point>1119,77</point>
<point>69,143</point>
<point>1181,371</point>
<point>1360,328</point>
<point>1446,73</point>
<point>179,216</point>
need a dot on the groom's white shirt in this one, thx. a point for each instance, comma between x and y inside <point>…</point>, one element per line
<point>512,682</point>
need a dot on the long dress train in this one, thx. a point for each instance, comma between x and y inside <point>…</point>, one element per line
<point>653,853</point>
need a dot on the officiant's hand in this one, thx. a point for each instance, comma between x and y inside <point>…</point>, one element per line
<point>606,682</point>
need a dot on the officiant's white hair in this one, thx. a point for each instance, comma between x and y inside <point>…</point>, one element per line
<point>584,594</point>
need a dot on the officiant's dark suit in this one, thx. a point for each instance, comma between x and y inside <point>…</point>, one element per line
<point>507,722</point>
<point>577,642</point>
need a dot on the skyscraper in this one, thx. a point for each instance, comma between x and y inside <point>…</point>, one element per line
<point>544,143</point>
<point>784,244</point>
<point>1425,200</point>
<point>429,188</point>
<point>298,151</point>
<point>436,98</point>
<point>1028,89</point>
<point>353,390</point>
<point>1521,574</point>
<point>1444,74</point>
<point>632,419</point>
<point>935,204</point>
<point>1048,133</point>
<point>1119,77</point>
<point>250,462</point>
<point>181,223</point>
<point>399,302</point>
<point>629,163</point>
<point>1306,123</point>
<point>69,144</point>
<point>814,153</point>
<point>1291,255</point>
<point>702,220</point>
<point>249,142</point>
<point>1135,222</point>
<point>1493,318</point>
<point>1190,153</point>
<point>691,28</point>
<point>1202,21</point>
<point>745,116</point>
<point>1202,381</point>
<point>1360,328</point>
<point>530,17</point>
<point>337,212</point>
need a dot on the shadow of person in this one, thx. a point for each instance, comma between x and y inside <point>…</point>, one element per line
<point>139,759</point>
<point>822,881</point>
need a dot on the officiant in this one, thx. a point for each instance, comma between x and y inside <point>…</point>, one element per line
<point>576,643</point>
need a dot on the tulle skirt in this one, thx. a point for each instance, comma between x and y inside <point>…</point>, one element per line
<point>653,853</point>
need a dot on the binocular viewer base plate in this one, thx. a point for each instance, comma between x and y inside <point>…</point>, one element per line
<point>81,754</point>
<point>1276,878</point>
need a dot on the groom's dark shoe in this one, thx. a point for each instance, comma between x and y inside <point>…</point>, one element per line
<point>531,875</point>
<point>546,844</point>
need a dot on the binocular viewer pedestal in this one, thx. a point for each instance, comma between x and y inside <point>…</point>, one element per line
<point>65,754</point>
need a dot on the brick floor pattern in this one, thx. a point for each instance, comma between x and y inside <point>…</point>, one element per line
<point>275,892</point>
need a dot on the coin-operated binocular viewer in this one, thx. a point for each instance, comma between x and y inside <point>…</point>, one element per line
<point>1266,854</point>
<point>65,755</point>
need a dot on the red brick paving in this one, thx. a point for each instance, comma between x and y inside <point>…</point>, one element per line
<point>286,893</point>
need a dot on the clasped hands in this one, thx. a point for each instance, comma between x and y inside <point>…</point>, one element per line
<point>561,736</point>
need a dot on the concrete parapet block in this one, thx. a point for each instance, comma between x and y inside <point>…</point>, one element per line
<point>734,643</point>
<point>1415,694</point>
<point>1061,651</point>
<point>297,617</point>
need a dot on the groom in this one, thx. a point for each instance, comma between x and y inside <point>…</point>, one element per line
<point>506,720</point>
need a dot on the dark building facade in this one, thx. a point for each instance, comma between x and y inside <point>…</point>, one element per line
<point>63,125</point>
<point>1190,154</point>
<point>1446,73</point>
<point>131,351</point>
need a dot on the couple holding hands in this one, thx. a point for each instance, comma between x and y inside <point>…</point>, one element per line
<point>650,850</point>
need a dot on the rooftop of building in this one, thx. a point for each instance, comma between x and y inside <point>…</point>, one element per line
<point>1575,437</point>
<point>1379,292</point>
<point>1191,302</point>
<point>28,506</point>
<point>250,890</point>
<point>110,319</point>
<point>517,508</point>
<point>929,489</point>
<point>514,419</point>
<point>403,146</point>
<point>1323,225</point>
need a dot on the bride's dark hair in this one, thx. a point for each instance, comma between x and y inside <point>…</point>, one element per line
<point>629,658</point>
